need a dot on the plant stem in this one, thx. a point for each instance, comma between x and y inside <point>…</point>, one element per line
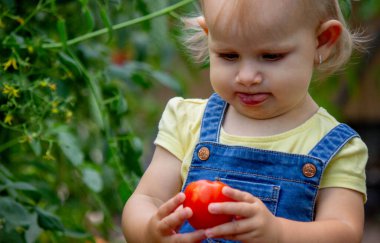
<point>119,26</point>
<point>9,144</point>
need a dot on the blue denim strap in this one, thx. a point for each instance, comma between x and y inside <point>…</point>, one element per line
<point>212,119</point>
<point>332,142</point>
<point>329,145</point>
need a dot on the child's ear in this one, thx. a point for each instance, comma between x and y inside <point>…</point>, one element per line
<point>328,34</point>
<point>202,23</point>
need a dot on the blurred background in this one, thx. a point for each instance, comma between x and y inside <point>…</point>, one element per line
<point>83,84</point>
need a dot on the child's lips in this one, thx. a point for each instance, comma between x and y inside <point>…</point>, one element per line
<point>253,99</point>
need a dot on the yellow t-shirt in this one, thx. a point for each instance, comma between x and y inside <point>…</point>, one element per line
<point>179,130</point>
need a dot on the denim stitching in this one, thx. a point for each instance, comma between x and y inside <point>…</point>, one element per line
<point>214,102</point>
<point>252,174</point>
<point>259,150</point>
<point>221,122</point>
<point>340,147</point>
<point>346,134</point>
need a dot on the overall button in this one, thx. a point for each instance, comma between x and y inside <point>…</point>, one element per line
<point>203,153</point>
<point>309,170</point>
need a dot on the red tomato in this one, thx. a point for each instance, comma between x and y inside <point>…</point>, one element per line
<point>199,194</point>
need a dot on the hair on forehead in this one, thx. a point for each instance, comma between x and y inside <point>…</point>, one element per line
<point>244,18</point>
<point>242,12</point>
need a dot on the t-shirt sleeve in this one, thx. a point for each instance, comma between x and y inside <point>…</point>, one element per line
<point>169,135</point>
<point>178,129</point>
<point>347,168</point>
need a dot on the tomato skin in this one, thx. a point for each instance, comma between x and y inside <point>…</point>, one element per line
<point>199,194</point>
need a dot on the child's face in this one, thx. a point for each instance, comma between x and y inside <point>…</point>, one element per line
<point>262,67</point>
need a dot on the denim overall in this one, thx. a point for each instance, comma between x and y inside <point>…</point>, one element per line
<point>286,183</point>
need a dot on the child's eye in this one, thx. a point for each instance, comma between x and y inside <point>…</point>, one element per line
<point>273,57</point>
<point>229,56</point>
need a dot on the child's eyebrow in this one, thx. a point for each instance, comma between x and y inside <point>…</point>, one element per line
<point>274,46</point>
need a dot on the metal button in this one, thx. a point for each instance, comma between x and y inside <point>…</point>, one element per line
<point>203,153</point>
<point>309,170</point>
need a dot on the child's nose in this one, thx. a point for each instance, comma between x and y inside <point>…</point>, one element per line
<point>249,75</point>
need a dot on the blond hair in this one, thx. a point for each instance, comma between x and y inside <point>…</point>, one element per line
<point>318,11</point>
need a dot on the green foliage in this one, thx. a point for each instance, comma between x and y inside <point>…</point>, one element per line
<point>346,7</point>
<point>71,115</point>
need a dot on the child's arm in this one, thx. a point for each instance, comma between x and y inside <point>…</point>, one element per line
<point>152,213</point>
<point>339,218</point>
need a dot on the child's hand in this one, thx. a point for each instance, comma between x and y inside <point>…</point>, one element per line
<point>253,223</point>
<point>163,226</point>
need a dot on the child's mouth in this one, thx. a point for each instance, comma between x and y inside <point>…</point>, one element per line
<point>253,99</point>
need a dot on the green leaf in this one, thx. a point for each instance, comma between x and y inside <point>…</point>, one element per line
<point>125,191</point>
<point>70,64</point>
<point>96,110</point>
<point>346,7</point>
<point>5,171</point>
<point>119,104</point>
<point>167,81</point>
<point>122,105</point>
<point>89,21</point>
<point>92,179</point>
<point>70,147</point>
<point>35,144</point>
<point>13,212</point>
<point>49,221</point>
<point>62,31</point>
<point>141,73</point>
<point>33,232</point>
<point>21,186</point>
<point>107,22</point>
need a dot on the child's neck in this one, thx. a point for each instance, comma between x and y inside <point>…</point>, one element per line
<point>240,125</point>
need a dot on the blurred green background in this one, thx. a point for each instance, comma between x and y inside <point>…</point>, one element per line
<point>83,84</point>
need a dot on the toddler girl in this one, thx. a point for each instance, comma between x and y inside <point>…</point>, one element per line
<point>296,173</point>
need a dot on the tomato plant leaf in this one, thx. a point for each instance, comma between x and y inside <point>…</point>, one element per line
<point>5,171</point>
<point>62,31</point>
<point>35,144</point>
<point>92,179</point>
<point>49,221</point>
<point>95,110</point>
<point>33,232</point>
<point>166,80</point>
<point>21,186</point>
<point>13,212</point>
<point>346,7</point>
<point>88,20</point>
<point>70,63</point>
<point>70,147</point>
<point>107,22</point>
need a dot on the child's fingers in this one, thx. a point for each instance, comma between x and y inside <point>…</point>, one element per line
<point>230,230</point>
<point>170,206</point>
<point>240,209</point>
<point>238,195</point>
<point>175,220</point>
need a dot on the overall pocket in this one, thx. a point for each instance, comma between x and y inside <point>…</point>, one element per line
<point>267,193</point>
